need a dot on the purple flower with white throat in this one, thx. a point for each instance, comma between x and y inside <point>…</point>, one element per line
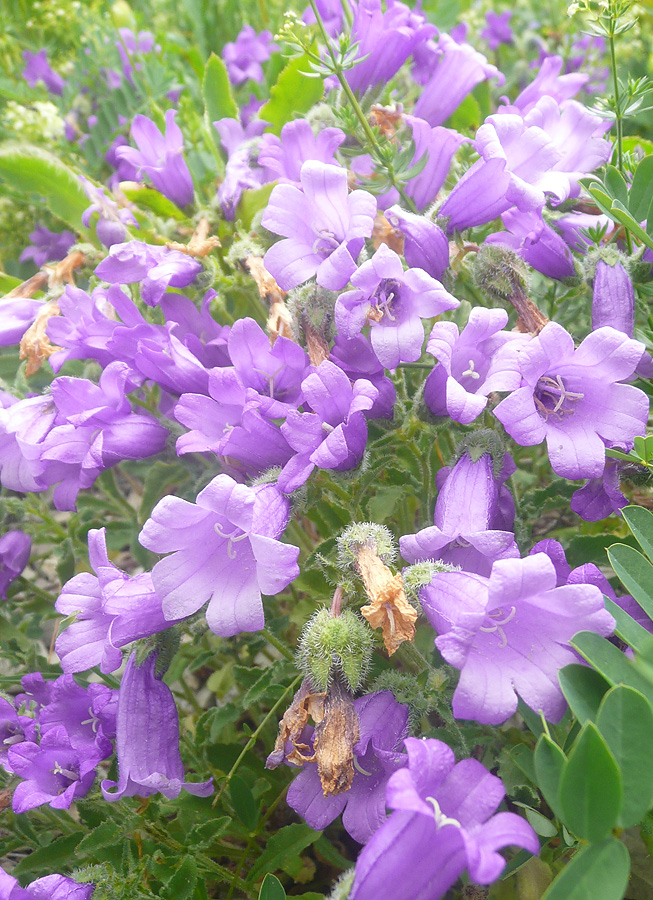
<point>334,434</point>
<point>110,609</point>
<point>160,157</point>
<point>393,302</point>
<point>573,398</point>
<point>237,528</point>
<point>509,634</point>
<point>469,527</point>
<point>15,547</point>
<point>37,68</point>
<point>442,824</point>
<point>471,364</point>
<point>50,887</point>
<point>383,724</point>
<point>323,225</point>
<point>243,57</point>
<point>147,738</point>
<point>157,268</point>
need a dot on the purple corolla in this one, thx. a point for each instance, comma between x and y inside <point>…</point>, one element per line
<point>613,302</point>
<point>147,738</point>
<point>160,157</point>
<point>242,171</point>
<point>15,547</point>
<point>323,226</point>
<point>442,824</point>
<point>112,220</point>
<point>334,434</point>
<point>157,268</point>
<point>37,68</point>
<point>425,245</point>
<point>243,57</point>
<point>110,609</point>
<point>393,302</point>
<point>470,518</point>
<point>573,398</point>
<point>236,528</point>
<point>549,83</point>
<point>50,887</point>
<point>471,364</point>
<point>509,634</point>
<point>438,145</point>
<point>47,246</point>
<point>536,242</point>
<point>283,157</point>
<point>498,29</point>
<point>383,725</point>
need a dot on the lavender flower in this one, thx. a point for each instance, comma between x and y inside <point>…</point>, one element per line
<point>334,435</point>
<point>131,44</point>
<point>147,740</point>
<point>601,497</point>
<point>509,634</point>
<point>110,226</point>
<point>243,57</point>
<point>237,528</point>
<point>324,228</point>
<point>471,365</point>
<point>549,83</point>
<point>536,242</point>
<point>47,246</point>
<point>498,29</point>
<point>50,887</point>
<point>393,302</point>
<point>425,245</point>
<point>438,144</point>
<point>469,521</point>
<point>14,729</point>
<point>284,156</point>
<point>15,547</point>
<point>442,823</point>
<point>37,68</point>
<point>357,359</point>
<point>160,156</point>
<point>242,171</point>
<point>157,268</point>
<point>613,302</point>
<point>84,325</point>
<point>110,609</point>
<point>573,398</point>
<point>383,725</point>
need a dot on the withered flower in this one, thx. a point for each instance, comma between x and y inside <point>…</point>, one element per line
<point>388,607</point>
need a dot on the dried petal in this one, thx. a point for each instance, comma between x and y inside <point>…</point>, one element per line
<point>388,608</point>
<point>335,736</point>
<point>35,345</point>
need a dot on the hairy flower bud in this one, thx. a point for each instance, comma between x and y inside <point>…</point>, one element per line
<point>360,534</point>
<point>503,275</point>
<point>340,644</point>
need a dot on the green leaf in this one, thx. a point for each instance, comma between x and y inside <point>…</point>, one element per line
<point>243,801</point>
<point>611,662</point>
<point>182,884</point>
<point>100,837</point>
<point>616,184</point>
<point>640,522</point>
<point>635,573</point>
<point>283,846</point>
<point>65,557</point>
<point>550,763</point>
<point>252,202</point>
<point>583,689</point>
<point>597,872</point>
<point>539,823</point>
<point>33,170</point>
<point>216,90</point>
<point>292,95</point>
<point>467,116</point>
<point>625,721</point>
<point>641,190</point>
<point>8,283</point>
<point>271,889</point>
<point>150,199</point>
<point>162,478</point>
<point>50,858</point>
<point>627,628</point>
<point>590,787</point>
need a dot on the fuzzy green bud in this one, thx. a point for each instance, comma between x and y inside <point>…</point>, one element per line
<point>421,574</point>
<point>342,888</point>
<point>483,440</point>
<point>499,271</point>
<point>606,253</point>
<point>341,644</point>
<point>311,309</point>
<point>362,534</point>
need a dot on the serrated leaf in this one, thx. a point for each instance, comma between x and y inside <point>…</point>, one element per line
<point>100,837</point>
<point>216,90</point>
<point>584,689</point>
<point>549,763</point>
<point>292,95</point>
<point>640,522</point>
<point>271,889</point>
<point>182,884</point>
<point>625,721</point>
<point>286,844</point>
<point>597,872</point>
<point>33,170</point>
<point>52,857</point>
<point>162,478</point>
<point>635,573</point>
<point>641,190</point>
<point>590,787</point>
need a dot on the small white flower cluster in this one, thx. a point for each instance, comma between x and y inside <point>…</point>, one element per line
<point>38,121</point>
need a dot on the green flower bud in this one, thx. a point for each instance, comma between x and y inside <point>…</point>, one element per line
<point>499,271</point>
<point>421,574</point>
<point>335,643</point>
<point>361,534</point>
<point>342,888</point>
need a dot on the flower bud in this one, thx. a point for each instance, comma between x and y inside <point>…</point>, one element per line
<point>340,644</point>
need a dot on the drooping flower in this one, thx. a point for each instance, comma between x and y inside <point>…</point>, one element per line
<point>15,547</point>
<point>471,364</point>
<point>383,724</point>
<point>438,145</point>
<point>469,521</point>
<point>111,609</point>
<point>243,57</point>
<point>161,157</point>
<point>509,634</point>
<point>157,268</point>
<point>50,887</point>
<point>425,245</point>
<point>573,398</point>
<point>110,226</point>
<point>393,302</point>
<point>536,242</point>
<point>601,497</point>
<point>16,316</point>
<point>37,68</point>
<point>442,824</point>
<point>147,738</point>
<point>334,434</point>
<point>323,226</point>
<point>237,528</point>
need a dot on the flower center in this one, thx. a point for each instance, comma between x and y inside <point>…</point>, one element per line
<point>326,242</point>
<point>232,537</point>
<point>498,620</point>
<point>68,776</point>
<point>384,301</point>
<point>552,398</point>
<point>440,819</point>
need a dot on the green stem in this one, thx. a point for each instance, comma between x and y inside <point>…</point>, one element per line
<point>355,105</point>
<point>274,640</point>
<point>411,657</point>
<point>617,111</point>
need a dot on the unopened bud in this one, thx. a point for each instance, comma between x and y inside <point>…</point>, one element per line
<point>331,645</point>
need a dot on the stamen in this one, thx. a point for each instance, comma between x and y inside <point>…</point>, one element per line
<point>440,819</point>
<point>470,373</point>
<point>59,770</point>
<point>359,768</point>
<point>14,739</point>
<point>229,537</point>
<point>498,625</point>
<point>391,619</point>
